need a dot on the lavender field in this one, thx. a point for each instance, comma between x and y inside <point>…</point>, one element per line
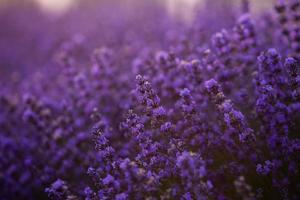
<point>121,100</point>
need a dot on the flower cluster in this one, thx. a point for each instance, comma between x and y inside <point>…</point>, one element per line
<point>138,105</point>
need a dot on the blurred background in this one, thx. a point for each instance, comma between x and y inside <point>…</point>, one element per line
<point>182,9</point>
<point>32,31</point>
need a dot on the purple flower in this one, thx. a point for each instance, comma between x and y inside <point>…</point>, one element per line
<point>164,110</point>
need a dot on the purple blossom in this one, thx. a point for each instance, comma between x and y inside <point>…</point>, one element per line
<point>140,105</point>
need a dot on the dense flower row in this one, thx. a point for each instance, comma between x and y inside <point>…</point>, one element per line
<point>161,110</point>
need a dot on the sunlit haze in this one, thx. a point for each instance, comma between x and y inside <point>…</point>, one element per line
<point>179,8</point>
<point>55,5</point>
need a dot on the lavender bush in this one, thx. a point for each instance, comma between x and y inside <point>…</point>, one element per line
<point>137,105</point>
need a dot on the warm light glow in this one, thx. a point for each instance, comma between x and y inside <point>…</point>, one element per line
<point>55,5</point>
<point>182,8</point>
